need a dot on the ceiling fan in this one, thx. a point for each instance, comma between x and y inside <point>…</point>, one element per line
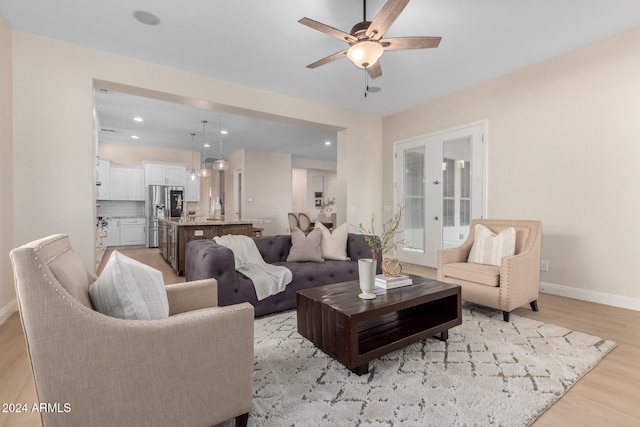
<point>366,44</point>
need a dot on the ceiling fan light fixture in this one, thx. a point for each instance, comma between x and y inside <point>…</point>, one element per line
<point>365,53</point>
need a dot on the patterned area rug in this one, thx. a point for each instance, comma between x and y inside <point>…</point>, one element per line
<point>489,373</point>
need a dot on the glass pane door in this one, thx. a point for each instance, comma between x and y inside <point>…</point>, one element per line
<point>418,178</point>
<point>456,191</point>
<point>439,180</point>
<point>414,199</point>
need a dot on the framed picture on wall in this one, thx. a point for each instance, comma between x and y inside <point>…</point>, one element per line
<point>318,194</point>
<point>318,203</point>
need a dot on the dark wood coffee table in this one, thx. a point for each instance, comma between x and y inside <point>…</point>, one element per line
<point>355,331</point>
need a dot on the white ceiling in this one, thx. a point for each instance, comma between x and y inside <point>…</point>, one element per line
<point>259,43</point>
<point>169,125</point>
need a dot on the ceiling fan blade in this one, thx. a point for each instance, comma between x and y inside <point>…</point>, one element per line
<point>334,32</point>
<point>330,58</point>
<point>400,43</point>
<point>383,20</point>
<point>374,70</point>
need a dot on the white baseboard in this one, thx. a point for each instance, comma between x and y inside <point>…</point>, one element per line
<point>591,296</point>
<point>8,310</point>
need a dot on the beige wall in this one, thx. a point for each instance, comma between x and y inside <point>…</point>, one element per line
<point>267,189</point>
<point>53,130</point>
<point>298,190</point>
<point>236,162</point>
<point>7,290</point>
<point>563,147</point>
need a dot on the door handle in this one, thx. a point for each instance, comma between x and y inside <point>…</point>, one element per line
<point>436,218</point>
<point>436,182</point>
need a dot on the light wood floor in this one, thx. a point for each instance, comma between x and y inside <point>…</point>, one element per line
<point>609,395</point>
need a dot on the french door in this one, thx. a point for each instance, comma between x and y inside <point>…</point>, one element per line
<point>439,179</point>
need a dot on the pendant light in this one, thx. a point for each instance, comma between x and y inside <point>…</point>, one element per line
<point>194,175</point>
<point>221,164</point>
<point>204,171</point>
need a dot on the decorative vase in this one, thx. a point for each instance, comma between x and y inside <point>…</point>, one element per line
<point>322,217</point>
<point>367,277</point>
<point>217,209</point>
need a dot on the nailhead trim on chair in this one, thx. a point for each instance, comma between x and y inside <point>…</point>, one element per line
<point>504,295</point>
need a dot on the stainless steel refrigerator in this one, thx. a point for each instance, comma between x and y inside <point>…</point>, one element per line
<point>164,202</point>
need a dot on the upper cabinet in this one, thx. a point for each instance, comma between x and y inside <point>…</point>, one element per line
<point>102,179</point>
<point>165,174</point>
<point>126,183</point>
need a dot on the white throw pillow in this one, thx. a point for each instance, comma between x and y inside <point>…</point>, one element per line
<point>129,289</point>
<point>334,244</point>
<point>305,248</point>
<point>489,248</point>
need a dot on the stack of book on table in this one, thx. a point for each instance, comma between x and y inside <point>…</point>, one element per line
<point>390,282</point>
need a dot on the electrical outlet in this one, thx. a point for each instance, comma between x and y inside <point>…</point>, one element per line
<point>544,265</point>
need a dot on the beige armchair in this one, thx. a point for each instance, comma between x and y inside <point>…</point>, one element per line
<point>515,283</point>
<point>194,368</point>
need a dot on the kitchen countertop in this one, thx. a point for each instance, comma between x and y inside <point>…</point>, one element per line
<point>204,221</point>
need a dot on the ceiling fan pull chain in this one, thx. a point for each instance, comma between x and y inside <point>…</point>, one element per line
<point>366,82</point>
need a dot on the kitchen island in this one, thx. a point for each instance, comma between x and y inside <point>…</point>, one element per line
<point>173,236</point>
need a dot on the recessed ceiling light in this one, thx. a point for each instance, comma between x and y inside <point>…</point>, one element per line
<point>135,137</point>
<point>146,18</point>
<point>206,146</point>
<point>224,132</point>
<point>138,119</point>
<point>327,143</point>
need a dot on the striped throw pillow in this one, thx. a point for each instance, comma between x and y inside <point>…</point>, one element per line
<point>489,248</point>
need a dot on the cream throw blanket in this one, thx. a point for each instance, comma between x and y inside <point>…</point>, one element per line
<point>267,279</point>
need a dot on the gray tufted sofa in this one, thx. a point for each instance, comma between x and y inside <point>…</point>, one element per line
<point>206,259</point>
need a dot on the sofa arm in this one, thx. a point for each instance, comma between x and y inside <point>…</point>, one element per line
<point>358,248</point>
<point>198,364</point>
<point>205,259</point>
<point>191,296</point>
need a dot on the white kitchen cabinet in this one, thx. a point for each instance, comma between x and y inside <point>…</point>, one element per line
<point>112,231</point>
<point>165,174</point>
<point>102,179</point>
<point>192,189</point>
<point>125,232</point>
<point>126,183</point>
<point>136,184</point>
<point>133,231</point>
